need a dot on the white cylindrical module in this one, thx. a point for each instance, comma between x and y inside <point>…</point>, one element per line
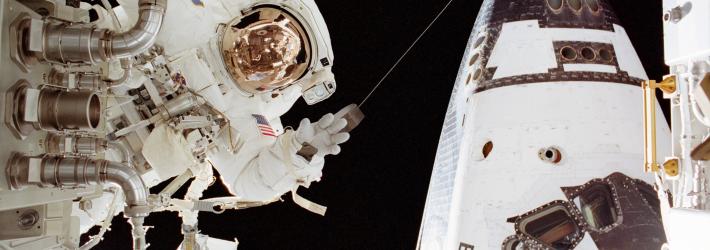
<point>687,53</point>
<point>687,34</point>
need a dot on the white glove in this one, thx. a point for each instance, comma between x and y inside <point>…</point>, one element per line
<point>323,135</point>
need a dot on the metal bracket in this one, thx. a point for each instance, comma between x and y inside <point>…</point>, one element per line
<point>668,85</point>
<point>670,167</point>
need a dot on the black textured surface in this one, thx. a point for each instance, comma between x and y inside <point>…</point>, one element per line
<point>639,223</point>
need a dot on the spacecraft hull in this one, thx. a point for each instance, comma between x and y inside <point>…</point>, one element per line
<point>597,134</point>
<point>546,97</point>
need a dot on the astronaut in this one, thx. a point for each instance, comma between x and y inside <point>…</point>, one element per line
<point>262,58</point>
<point>249,62</point>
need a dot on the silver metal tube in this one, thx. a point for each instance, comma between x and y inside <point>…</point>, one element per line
<point>66,43</point>
<point>85,44</point>
<point>142,36</point>
<point>133,187</point>
<point>55,171</point>
<point>90,81</point>
<point>84,146</point>
<point>76,172</point>
<point>60,110</point>
<point>180,105</point>
<point>87,145</point>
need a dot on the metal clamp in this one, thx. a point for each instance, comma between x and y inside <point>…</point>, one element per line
<point>670,166</point>
<point>216,207</point>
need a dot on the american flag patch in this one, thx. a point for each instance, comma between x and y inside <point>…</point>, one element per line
<point>263,125</point>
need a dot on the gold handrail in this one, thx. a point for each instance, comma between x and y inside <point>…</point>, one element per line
<point>668,85</point>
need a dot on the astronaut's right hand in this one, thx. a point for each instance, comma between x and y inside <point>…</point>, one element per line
<point>324,135</point>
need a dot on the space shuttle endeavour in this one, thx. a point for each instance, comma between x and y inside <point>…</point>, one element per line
<point>542,144</point>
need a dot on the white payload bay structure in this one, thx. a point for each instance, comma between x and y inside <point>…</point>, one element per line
<point>100,104</point>
<point>543,142</point>
<point>682,176</point>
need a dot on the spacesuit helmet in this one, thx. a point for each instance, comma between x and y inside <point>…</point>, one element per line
<point>275,44</point>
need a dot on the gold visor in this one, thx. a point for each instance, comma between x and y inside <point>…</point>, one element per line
<point>265,50</point>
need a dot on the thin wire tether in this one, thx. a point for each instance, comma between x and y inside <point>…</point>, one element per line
<point>405,53</point>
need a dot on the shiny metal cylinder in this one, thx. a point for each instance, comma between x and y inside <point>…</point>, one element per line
<point>83,146</point>
<point>51,172</point>
<point>56,171</point>
<point>88,82</point>
<point>87,145</point>
<point>133,187</point>
<point>70,172</point>
<point>83,81</point>
<point>60,110</point>
<point>67,43</point>
<point>17,172</point>
<point>179,105</point>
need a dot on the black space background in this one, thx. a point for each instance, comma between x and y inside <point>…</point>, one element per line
<point>376,188</point>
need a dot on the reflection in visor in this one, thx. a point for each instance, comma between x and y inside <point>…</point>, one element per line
<point>265,50</point>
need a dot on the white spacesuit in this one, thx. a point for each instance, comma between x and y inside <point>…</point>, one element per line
<point>249,61</point>
<point>263,57</point>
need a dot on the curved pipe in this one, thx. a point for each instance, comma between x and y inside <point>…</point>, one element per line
<point>133,187</point>
<point>62,172</point>
<point>142,35</point>
<point>76,43</point>
<point>76,172</point>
